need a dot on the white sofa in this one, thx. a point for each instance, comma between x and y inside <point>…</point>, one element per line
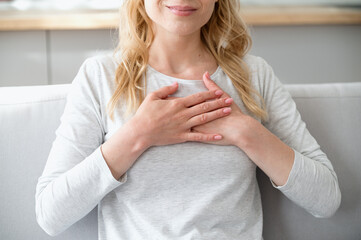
<point>30,115</point>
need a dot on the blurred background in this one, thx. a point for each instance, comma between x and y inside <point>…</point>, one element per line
<point>305,41</point>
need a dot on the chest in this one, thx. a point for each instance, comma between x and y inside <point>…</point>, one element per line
<point>176,167</point>
<point>186,171</point>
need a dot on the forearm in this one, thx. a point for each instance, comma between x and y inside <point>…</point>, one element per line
<point>63,199</point>
<point>123,149</point>
<point>267,151</point>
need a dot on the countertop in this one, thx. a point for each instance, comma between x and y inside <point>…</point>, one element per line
<point>15,20</point>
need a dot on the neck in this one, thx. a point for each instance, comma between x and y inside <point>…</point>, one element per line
<point>175,54</point>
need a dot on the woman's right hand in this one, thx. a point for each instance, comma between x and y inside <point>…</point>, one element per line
<point>162,120</point>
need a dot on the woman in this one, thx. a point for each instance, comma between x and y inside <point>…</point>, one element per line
<point>165,156</point>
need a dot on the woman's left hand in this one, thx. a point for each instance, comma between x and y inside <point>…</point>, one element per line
<point>234,127</point>
<point>264,148</point>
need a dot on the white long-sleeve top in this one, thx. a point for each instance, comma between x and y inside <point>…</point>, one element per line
<point>183,191</point>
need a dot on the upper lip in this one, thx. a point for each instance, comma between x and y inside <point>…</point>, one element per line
<point>182,8</point>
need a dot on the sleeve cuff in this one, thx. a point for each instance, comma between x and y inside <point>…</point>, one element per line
<point>103,166</point>
<point>293,174</point>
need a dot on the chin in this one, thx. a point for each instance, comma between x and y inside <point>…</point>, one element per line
<point>182,30</point>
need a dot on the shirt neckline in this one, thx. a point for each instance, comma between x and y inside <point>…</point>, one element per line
<point>213,76</point>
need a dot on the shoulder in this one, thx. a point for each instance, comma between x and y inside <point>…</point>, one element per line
<point>97,72</point>
<point>94,81</point>
<point>256,63</point>
<point>262,76</point>
<point>98,63</point>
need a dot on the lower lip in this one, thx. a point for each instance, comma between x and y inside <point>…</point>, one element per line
<point>181,13</point>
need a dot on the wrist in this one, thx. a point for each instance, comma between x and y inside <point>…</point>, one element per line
<point>138,135</point>
<point>123,149</point>
<point>248,133</point>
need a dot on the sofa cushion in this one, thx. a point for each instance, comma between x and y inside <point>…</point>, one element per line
<point>332,113</point>
<point>29,117</point>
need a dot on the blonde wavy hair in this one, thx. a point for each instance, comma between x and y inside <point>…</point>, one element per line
<point>225,36</point>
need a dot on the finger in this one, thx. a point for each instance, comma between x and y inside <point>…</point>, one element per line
<point>210,84</point>
<point>202,137</point>
<point>209,106</point>
<point>165,91</point>
<point>172,98</point>
<point>201,97</point>
<point>207,117</point>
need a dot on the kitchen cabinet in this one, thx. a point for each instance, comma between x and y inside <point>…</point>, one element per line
<point>23,58</point>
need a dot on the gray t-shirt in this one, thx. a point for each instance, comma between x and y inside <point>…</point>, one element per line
<point>183,191</point>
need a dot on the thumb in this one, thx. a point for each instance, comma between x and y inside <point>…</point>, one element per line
<point>210,84</point>
<point>167,90</point>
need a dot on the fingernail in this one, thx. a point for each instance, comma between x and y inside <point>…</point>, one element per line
<point>229,100</point>
<point>219,92</point>
<point>218,137</point>
<point>207,75</point>
<point>175,83</point>
<point>227,110</point>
